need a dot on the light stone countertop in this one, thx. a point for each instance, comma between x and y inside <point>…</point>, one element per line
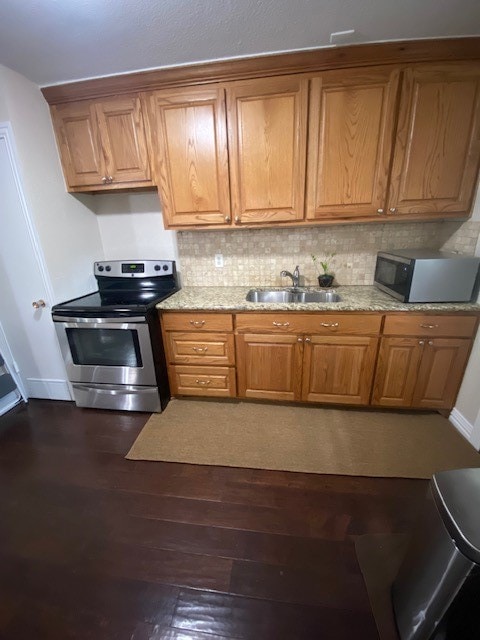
<point>354,298</point>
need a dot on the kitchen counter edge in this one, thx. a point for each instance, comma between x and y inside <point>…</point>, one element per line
<point>354,298</point>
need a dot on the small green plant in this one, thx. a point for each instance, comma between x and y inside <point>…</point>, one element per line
<point>324,264</point>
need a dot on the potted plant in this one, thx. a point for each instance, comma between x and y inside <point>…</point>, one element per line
<point>325,278</point>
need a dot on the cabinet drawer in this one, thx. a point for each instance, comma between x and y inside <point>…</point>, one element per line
<point>423,324</point>
<point>197,321</point>
<point>321,324</point>
<point>200,348</point>
<point>203,381</point>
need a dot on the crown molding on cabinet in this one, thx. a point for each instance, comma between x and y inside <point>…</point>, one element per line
<point>360,55</point>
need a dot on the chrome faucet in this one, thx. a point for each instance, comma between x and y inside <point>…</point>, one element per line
<point>295,276</point>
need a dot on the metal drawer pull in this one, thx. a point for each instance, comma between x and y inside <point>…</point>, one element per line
<point>200,349</point>
<point>203,381</point>
<point>197,323</point>
<point>429,326</point>
<point>280,324</point>
<point>329,324</point>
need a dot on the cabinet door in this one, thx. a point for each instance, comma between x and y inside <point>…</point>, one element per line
<point>437,148</point>
<point>269,366</point>
<point>351,121</point>
<point>191,162</point>
<point>267,125</point>
<point>124,145</point>
<point>77,134</point>
<point>441,372</point>
<point>339,369</point>
<point>396,375</point>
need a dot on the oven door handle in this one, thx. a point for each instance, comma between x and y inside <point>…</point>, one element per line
<point>74,322</point>
<point>113,389</point>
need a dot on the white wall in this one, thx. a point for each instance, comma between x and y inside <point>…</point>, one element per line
<point>67,226</point>
<point>131,227</point>
<point>466,414</point>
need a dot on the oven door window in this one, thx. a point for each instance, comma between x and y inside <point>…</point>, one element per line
<point>105,347</point>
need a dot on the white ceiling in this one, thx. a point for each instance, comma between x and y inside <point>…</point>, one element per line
<point>55,41</point>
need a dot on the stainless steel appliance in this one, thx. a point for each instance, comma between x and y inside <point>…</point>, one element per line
<point>425,275</point>
<point>111,340</point>
<point>435,594</point>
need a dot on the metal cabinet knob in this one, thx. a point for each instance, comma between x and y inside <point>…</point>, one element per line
<point>392,209</point>
<point>430,342</point>
<point>228,219</point>
<point>421,342</point>
<point>299,339</point>
<point>308,339</point>
<point>237,220</point>
<point>104,179</point>
<point>38,303</point>
<point>379,210</point>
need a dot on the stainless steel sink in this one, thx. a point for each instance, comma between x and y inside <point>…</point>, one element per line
<point>289,296</point>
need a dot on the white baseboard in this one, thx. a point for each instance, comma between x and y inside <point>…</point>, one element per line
<point>461,424</point>
<point>48,389</point>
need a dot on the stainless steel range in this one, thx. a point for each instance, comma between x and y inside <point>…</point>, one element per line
<point>111,340</point>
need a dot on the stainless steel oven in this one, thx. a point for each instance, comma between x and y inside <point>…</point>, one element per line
<point>111,341</point>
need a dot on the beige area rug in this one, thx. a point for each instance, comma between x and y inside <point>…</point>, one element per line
<point>380,557</point>
<point>303,438</point>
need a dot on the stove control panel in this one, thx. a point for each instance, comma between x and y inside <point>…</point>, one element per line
<point>134,268</point>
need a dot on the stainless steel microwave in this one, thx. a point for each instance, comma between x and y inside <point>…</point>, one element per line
<point>424,275</point>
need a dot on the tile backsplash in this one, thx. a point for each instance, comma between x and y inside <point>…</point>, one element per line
<point>255,257</point>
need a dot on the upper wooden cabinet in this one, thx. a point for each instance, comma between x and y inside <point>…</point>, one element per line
<point>103,144</point>
<point>319,145</point>
<point>351,128</point>
<point>267,135</point>
<point>190,155</point>
<point>437,147</point>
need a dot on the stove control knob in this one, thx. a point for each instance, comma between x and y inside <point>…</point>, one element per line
<point>165,267</point>
<point>100,268</point>
<point>108,268</point>
<point>157,267</point>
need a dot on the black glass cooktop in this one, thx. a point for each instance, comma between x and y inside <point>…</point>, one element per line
<point>114,303</point>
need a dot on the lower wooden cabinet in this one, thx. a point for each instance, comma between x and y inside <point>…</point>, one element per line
<point>420,372</point>
<point>202,381</point>
<point>200,353</point>
<point>291,362</point>
<point>422,359</point>
<point>269,366</point>
<point>397,360</point>
<point>339,369</point>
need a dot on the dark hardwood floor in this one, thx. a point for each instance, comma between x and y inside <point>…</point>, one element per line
<point>93,546</point>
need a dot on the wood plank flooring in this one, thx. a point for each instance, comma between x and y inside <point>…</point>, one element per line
<point>93,546</point>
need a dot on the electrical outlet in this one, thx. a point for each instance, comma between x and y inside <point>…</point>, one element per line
<point>219,260</point>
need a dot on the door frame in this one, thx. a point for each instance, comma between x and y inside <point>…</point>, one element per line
<point>7,134</point>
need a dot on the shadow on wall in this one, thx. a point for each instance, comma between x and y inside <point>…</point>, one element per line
<point>138,202</point>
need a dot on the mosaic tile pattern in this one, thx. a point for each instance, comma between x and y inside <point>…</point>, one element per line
<point>255,257</point>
